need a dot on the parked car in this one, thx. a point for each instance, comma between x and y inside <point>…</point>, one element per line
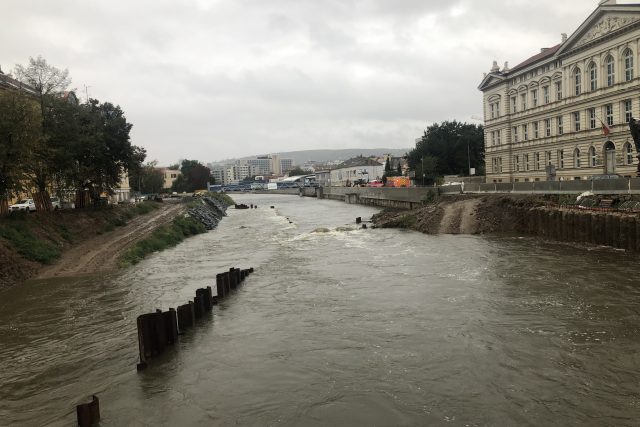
<point>55,203</point>
<point>23,205</point>
<point>375,183</point>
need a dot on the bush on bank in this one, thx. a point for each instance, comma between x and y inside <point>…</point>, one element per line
<point>16,231</point>
<point>164,237</point>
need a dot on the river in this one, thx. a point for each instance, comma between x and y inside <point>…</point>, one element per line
<point>338,327</point>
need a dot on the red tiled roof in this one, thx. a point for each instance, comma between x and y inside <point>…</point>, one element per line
<point>545,54</point>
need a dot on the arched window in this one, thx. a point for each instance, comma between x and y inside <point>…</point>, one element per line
<point>628,65</point>
<point>577,78</point>
<point>628,154</point>
<point>592,157</point>
<point>593,76</point>
<point>576,158</point>
<point>610,69</point>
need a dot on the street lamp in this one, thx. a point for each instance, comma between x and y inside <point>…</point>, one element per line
<point>459,135</point>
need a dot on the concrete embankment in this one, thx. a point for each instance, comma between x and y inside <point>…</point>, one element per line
<point>527,215</point>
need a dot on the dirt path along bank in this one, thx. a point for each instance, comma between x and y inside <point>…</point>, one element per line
<point>101,252</point>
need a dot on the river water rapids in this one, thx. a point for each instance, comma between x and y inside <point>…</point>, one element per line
<point>337,327</point>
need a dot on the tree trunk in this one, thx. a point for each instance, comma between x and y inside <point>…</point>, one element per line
<point>83,199</point>
<point>4,207</point>
<point>42,201</point>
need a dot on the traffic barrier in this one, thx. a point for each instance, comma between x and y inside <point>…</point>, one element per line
<point>89,413</point>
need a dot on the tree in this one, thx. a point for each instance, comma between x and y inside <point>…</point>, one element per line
<point>48,82</point>
<point>103,151</point>
<point>453,145</point>
<point>399,169</point>
<point>147,179</point>
<point>297,171</point>
<point>20,132</point>
<point>195,176</point>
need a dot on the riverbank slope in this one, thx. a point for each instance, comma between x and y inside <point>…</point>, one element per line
<point>513,214</point>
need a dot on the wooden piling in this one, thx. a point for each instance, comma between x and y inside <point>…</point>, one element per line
<point>220,286</point>
<point>186,316</point>
<point>198,305</point>
<point>152,337</point>
<point>88,414</point>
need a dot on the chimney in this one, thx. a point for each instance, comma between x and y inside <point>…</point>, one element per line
<point>564,37</point>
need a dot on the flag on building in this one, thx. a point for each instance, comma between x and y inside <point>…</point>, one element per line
<point>605,129</point>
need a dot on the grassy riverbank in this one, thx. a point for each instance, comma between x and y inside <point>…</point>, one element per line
<point>30,241</point>
<point>162,238</point>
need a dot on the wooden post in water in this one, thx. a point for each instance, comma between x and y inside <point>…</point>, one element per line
<point>186,316</point>
<point>170,320</point>
<point>88,414</point>
<point>198,305</point>
<point>220,286</point>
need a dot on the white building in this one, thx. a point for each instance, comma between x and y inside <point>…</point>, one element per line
<point>563,113</point>
<point>357,169</point>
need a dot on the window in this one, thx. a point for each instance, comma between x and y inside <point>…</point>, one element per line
<point>560,159</point>
<point>534,97</point>
<point>576,121</point>
<point>592,118</point>
<point>559,124</point>
<point>499,164</point>
<point>515,134</point>
<point>525,132</point>
<point>514,107</point>
<point>526,162</point>
<point>628,151</point>
<point>609,66</point>
<point>576,158</point>
<point>493,138</point>
<point>628,110</point>
<point>547,127</point>
<point>592,157</point>
<point>516,161</point>
<point>493,112</point>
<point>577,80</point>
<point>498,137</point>
<point>608,113</point>
<point>547,157</point>
<point>523,101</point>
<point>537,161</point>
<point>628,65</point>
<point>536,133</point>
<point>558,91</point>
<point>593,76</point>
<point>545,94</point>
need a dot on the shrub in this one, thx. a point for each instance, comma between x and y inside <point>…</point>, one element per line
<point>28,245</point>
<point>163,237</point>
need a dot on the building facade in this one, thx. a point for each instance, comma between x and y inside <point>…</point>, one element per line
<point>563,114</point>
<point>170,175</point>
<point>357,169</point>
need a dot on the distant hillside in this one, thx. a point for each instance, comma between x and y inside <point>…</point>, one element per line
<point>301,157</point>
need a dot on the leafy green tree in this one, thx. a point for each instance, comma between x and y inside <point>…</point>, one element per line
<point>20,132</point>
<point>103,151</point>
<point>147,178</point>
<point>49,82</point>
<point>297,171</point>
<point>454,145</point>
<point>195,176</point>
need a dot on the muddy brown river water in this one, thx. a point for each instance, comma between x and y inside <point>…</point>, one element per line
<point>339,328</point>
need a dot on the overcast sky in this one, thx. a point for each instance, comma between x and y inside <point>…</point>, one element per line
<point>214,79</point>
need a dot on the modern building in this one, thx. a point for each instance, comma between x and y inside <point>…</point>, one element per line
<point>357,169</point>
<point>564,112</point>
<point>286,165</point>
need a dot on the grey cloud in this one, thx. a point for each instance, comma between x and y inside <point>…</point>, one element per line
<point>213,79</point>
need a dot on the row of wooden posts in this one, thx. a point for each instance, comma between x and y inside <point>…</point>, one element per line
<point>157,331</point>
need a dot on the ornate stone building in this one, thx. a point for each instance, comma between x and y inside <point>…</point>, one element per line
<point>563,113</point>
